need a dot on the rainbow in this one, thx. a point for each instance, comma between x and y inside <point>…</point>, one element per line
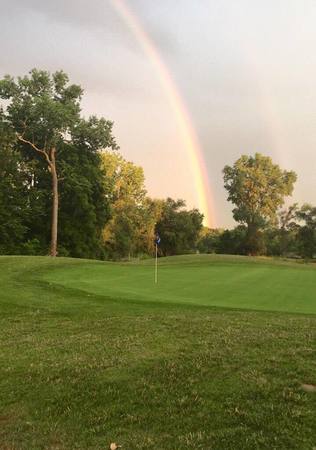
<point>186,130</point>
<point>267,105</point>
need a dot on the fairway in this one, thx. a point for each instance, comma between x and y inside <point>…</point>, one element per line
<point>214,357</point>
<point>234,282</point>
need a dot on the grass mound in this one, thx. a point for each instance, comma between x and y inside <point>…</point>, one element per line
<point>93,353</point>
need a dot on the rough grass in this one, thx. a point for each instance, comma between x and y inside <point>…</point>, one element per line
<point>93,353</point>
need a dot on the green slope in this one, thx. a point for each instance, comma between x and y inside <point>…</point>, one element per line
<point>201,280</point>
<point>92,353</point>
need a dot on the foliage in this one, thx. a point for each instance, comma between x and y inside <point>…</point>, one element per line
<point>272,241</point>
<point>293,235</point>
<point>232,242</point>
<point>178,228</point>
<point>307,232</point>
<point>57,174</point>
<point>82,201</point>
<point>209,239</point>
<point>257,188</point>
<point>13,195</point>
<point>44,112</point>
<point>133,215</point>
<point>32,247</point>
<point>288,229</point>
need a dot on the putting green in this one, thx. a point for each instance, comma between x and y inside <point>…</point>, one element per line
<point>234,282</point>
<point>94,352</point>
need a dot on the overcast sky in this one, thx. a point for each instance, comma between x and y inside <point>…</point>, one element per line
<point>245,69</point>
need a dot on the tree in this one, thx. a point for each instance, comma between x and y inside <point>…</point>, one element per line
<point>83,201</point>
<point>44,112</point>
<point>151,213</point>
<point>257,188</point>
<point>307,232</point>
<point>232,242</point>
<point>288,228</point>
<point>178,228</point>
<point>208,241</point>
<point>13,195</point>
<point>126,193</point>
<point>272,240</point>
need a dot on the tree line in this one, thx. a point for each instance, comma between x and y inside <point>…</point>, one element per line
<point>65,189</point>
<point>293,235</point>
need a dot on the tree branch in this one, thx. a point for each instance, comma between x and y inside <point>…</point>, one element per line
<point>21,138</point>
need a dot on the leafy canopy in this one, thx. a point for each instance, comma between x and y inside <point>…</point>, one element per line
<point>60,147</point>
<point>45,110</point>
<point>257,188</point>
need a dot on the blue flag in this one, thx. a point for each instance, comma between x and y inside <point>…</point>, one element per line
<point>157,239</point>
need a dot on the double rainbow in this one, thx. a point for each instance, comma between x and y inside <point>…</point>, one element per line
<point>184,123</point>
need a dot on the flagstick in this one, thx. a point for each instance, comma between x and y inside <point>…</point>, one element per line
<point>156,265</point>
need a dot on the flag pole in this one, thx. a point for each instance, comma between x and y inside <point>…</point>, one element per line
<point>156,265</point>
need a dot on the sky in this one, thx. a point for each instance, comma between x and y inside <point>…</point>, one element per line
<point>244,70</point>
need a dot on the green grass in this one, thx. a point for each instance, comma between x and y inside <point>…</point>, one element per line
<point>213,357</point>
<point>235,282</point>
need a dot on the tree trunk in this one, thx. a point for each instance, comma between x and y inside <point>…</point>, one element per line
<point>54,224</point>
<point>254,241</point>
<point>50,157</point>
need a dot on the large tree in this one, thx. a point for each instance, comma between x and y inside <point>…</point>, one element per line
<point>257,188</point>
<point>44,112</point>
<point>126,193</point>
<point>82,201</point>
<point>178,228</point>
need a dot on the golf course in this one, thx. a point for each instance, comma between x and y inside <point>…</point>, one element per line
<point>219,354</point>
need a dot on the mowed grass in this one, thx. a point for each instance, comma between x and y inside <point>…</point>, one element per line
<point>234,282</point>
<point>213,357</point>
